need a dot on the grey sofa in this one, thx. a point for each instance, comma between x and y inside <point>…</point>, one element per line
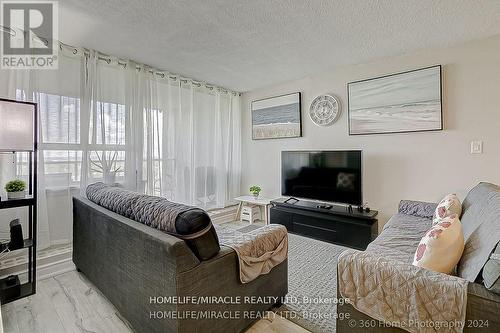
<point>138,268</point>
<point>481,225</point>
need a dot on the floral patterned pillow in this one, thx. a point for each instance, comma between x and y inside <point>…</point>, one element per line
<point>441,247</point>
<point>448,206</point>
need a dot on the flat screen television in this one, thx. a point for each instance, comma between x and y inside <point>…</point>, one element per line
<point>333,175</point>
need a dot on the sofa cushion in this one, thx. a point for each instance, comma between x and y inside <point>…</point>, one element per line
<point>491,271</point>
<point>441,247</point>
<point>448,206</point>
<point>481,228</point>
<point>400,237</point>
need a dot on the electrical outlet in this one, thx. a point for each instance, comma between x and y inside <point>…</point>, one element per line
<point>476,147</point>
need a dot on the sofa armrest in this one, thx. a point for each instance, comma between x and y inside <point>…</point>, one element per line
<point>417,208</point>
<point>219,277</point>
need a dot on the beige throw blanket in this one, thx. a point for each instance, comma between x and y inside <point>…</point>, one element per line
<point>258,251</point>
<point>400,294</point>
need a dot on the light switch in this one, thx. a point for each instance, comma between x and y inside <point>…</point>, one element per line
<point>476,147</point>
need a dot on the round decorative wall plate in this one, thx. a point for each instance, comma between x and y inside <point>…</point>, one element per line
<point>324,110</point>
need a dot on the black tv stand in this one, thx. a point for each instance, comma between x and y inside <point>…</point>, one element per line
<point>336,224</point>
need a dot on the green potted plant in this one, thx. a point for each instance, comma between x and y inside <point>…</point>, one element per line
<point>255,190</point>
<point>16,189</point>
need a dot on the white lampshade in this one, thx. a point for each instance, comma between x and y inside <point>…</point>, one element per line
<point>17,126</point>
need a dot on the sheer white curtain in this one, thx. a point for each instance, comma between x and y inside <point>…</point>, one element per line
<point>57,94</point>
<point>105,114</point>
<point>105,119</point>
<point>190,139</point>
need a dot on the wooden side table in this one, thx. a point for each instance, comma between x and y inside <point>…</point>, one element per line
<point>250,199</point>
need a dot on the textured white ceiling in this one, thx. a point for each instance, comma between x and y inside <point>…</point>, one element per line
<point>248,44</point>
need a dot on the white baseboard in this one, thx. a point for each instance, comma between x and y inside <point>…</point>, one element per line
<point>46,270</point>
<point>55,268</point>
<point>47,266</point>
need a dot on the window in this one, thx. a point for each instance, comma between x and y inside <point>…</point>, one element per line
<point>153,133</point>
<point>60,118</point>
<point>62,165</point>
<point>107,142</point>
<point>108,120</point>
<point>61,145</point>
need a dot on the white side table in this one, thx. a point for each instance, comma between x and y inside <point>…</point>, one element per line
<point>250,199</point>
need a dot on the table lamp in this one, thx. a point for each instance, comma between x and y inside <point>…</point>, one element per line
<point>17,126</point>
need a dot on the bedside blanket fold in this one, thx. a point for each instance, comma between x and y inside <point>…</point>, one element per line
<point>402,295</point>
<point>258,251</point>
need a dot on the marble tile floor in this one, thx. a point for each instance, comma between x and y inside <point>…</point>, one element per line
<point>69,303</point>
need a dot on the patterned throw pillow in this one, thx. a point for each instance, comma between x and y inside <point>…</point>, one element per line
<point>441,247</point>
<point>448,206</point>
<point>345,181</point>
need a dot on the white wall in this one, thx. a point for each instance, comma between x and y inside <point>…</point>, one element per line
<point>420,166</point>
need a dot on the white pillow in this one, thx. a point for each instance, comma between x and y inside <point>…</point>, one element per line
<point>441,247</point>
<point>448,206</point>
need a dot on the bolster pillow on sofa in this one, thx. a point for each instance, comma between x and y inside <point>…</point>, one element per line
<point>191,224</point>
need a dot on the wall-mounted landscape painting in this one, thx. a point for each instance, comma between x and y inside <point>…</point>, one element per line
<point>404,102</point>
<point>276,117</point>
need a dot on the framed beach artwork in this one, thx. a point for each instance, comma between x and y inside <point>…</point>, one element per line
<point>397,103</point>
<point>277,117</point>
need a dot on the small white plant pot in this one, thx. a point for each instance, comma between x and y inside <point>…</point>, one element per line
<point>110,178</point>
<point>255,195</point>
<point>16,195</point>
